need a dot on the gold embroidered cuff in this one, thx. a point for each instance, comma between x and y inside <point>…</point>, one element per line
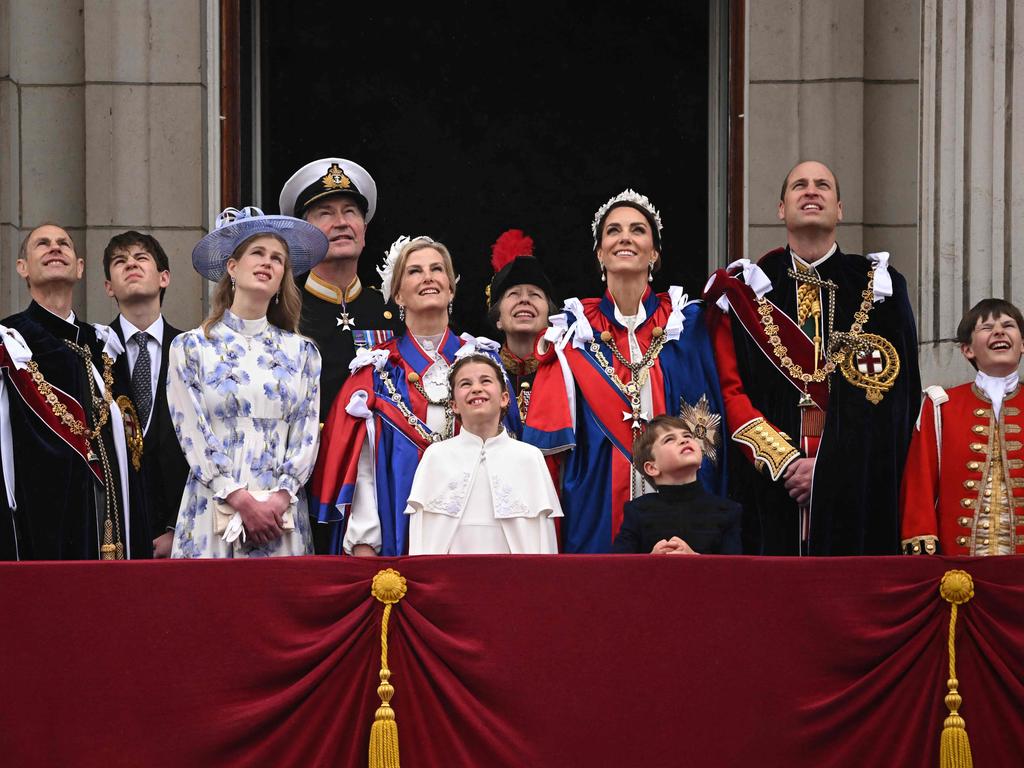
<point>920,545</point>
<point>771,448</point>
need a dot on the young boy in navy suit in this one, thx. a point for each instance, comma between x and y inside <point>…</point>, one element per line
<point>681,518</point>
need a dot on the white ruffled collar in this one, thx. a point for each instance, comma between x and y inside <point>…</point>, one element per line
<point>996,388</point>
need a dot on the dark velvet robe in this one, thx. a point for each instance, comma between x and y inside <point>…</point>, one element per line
<point>164,469</point>
<point>856,485</point>
<point>56,518</point>
<point>319,321</point>
<point>709,524</point>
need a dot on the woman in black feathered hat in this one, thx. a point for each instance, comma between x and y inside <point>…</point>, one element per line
<point>520,299</point>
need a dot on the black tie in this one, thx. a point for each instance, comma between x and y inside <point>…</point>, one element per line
<point>142,379</point>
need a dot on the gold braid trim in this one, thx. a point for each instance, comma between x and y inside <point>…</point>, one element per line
<point>956,587</point>
<point>770,447</point>
<point>518,366</point>
<point>836,340</point>
<point>920,545</point>
<point>60,410</point>
<point>388,587</point>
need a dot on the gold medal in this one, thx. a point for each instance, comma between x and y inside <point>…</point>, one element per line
<point>132,429</point>
<point>871,363</point>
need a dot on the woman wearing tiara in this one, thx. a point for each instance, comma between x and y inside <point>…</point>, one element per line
<point>631,354</point>
<point>395,404</point>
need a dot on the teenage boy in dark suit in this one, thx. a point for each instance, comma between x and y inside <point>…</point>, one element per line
<point>137,275</point>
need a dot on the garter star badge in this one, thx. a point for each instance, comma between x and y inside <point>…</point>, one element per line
<point>704,425</point>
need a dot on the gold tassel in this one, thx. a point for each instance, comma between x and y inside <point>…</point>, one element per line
<point>388,587</point>
<point>956,587</point>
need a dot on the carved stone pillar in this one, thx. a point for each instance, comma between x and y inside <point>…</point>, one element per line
<point>971,198</point>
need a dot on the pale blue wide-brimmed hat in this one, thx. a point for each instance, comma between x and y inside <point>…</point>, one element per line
<point>307,245</point>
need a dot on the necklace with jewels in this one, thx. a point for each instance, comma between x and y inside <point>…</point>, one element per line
<point>411,418</point>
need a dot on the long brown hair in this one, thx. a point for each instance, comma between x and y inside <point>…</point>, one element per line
<point>284,313</point>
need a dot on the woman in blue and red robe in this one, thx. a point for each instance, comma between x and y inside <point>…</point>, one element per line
<point>627,357</point>
<point>395,404</point>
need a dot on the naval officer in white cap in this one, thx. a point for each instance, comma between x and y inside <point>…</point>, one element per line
<point>339,313</point>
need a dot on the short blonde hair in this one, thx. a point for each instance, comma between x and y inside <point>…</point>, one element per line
<point>419,244</point>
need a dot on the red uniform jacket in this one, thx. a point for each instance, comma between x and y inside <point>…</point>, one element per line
<point>943,496</point>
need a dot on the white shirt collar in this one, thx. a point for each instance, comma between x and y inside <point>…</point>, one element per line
<point>69,319</point>
<point>996,387</point>
<point>156,330</point>
<point>631,321</point>
<point>819,262</point>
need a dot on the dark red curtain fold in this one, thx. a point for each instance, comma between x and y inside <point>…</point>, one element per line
<point>508,661</point>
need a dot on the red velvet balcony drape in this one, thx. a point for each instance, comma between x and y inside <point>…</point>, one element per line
<point>508,661</point>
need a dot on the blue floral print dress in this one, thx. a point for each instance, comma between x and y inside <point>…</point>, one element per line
<point>245,404</point>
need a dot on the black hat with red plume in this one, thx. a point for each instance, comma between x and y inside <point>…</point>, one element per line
<point>514,264</point>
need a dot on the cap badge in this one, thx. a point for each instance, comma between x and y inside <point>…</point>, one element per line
<point>336,178</point>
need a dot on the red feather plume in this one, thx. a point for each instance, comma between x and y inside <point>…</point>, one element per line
<point>512,244</point>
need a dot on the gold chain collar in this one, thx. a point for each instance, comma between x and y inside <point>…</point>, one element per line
<point>411,418</point>
<point>638,374</point>
<point>835,354</point>
<point>101,408</point>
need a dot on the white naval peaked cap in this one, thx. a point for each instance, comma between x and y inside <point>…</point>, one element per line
<point>324,177</point>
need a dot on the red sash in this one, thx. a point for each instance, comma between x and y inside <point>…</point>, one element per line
<point>30,395</point>
<point>799,348</point>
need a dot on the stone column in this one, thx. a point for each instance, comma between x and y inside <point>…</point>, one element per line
<point>42,130</point>
<point>971,198</point>
<point>103,128</point>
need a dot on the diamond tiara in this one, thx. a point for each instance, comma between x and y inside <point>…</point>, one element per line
<point>628,196</point>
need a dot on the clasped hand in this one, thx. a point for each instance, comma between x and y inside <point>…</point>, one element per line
<point>673,546</point>
<point>263,520</point>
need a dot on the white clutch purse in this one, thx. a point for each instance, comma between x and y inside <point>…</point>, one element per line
<point>228,522</point>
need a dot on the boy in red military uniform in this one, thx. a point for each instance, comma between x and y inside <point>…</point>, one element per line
<point>963,486</point>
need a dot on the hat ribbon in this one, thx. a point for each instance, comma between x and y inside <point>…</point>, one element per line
<point>231,215</point>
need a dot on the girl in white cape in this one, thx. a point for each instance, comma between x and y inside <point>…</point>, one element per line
<point>482,492</point>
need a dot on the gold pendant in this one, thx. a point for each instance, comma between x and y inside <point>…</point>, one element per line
<point>871,363</point>
<point>806,401</point>
<point>132,430</point>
